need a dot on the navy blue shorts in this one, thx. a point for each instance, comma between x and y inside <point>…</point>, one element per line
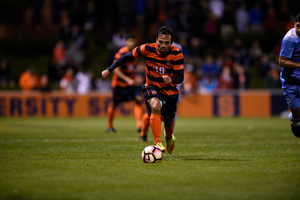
<point>121,94</point>
<point>169,105</point>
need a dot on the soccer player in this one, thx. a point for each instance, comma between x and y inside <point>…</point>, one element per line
<point>146,116</point>
<point>124,86</point>
<point>164,70</point>
<point>289,60</point>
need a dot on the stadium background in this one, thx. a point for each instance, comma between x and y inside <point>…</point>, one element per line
<point>30,32</point>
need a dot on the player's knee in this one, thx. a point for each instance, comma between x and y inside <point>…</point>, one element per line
<point>168,122</point>
<point>155,105</point>
<point>156,108</point>
<point>113,106</point>
<point>138,101</point>
<point>296,116</point>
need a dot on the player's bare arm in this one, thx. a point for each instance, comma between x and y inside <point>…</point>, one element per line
<point>285,62</point>
<point>127,79</point>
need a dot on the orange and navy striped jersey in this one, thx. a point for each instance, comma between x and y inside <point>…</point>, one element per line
<point>127,69</point>
<point>157,65</point>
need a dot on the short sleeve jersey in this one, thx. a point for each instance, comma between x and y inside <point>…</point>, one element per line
<point>290,49</point>
<point>158,65</point>
<point>128,69</point>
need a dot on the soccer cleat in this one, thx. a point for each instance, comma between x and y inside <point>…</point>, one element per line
<point>144,138</point>
<point>296,130</point>
<point>170,144</point>
<point>111,130</point>
<point>161,147</point>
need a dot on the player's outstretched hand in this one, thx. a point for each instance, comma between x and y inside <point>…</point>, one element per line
<point>167,79</point>
<point>130,82</point>
<point>105,74</point>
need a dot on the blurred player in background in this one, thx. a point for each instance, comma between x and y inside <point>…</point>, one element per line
<point>289,60</point>
<point>29,80</point>
<point>124,86</point>
<point>164,70</point>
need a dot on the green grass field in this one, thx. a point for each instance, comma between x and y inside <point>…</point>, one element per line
<point>216,158</point>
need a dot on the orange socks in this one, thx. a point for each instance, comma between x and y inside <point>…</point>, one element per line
<point>169,131</point>
<point>155,123</point>
<point>110,117</point>
<point>146,124</point>
<point>138,113</point>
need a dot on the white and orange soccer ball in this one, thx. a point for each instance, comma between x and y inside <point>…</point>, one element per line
<point>152,154</point>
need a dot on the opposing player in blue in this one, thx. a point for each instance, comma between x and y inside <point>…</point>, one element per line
<point>289,60</point>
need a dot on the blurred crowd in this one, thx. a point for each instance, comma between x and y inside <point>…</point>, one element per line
<point>204,29</point>
<point>229,70</point>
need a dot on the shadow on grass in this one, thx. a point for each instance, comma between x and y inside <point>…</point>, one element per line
<point>194,158</point>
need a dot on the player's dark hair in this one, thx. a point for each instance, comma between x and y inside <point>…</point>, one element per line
<point>130,36</point>
<point>166,31</point>
<point>297,18</point>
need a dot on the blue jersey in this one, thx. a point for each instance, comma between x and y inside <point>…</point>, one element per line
<point>290,49</point>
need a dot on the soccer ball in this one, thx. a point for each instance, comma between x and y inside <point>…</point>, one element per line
<point>152,154</point>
